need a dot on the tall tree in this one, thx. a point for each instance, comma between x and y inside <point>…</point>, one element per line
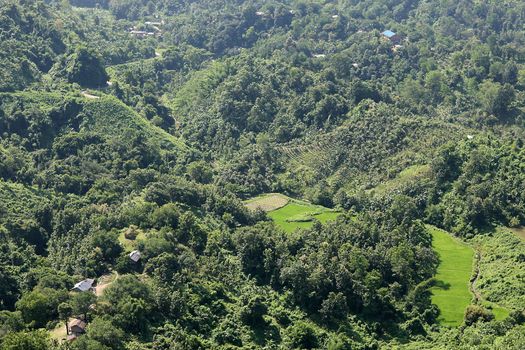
<point>64,312</point>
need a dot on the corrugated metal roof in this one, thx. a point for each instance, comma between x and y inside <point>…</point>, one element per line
<point>84,285</point>
<point>134,255</point>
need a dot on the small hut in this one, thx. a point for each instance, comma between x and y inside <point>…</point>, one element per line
<point>134,255</point>
<point>77,327</point>
<point>392,36</point>
<point>84,285</point>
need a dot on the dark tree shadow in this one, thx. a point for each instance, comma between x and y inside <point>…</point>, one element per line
<point>442,285</point>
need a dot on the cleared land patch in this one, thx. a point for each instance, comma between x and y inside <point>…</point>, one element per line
<point>403,179</point>
<point>88,95</point>
<point>297,214</point>
<point>267,202</point>
<point>291,214</point>
<point>130,244</point>
<point>451,293</point>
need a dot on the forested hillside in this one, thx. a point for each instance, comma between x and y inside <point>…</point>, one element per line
<point>246,174</point>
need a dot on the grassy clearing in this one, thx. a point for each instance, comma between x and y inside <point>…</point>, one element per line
<point>198,88</point>
<point>451,294</point>
<point>114,119</point>
<point>298,214</point>
<point>59,333</point>
<point>291,214</point>
<point>130,244</point>
<point>500,313</point>
<point>267,202</point>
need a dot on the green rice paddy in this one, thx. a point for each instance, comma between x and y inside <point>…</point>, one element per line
<point>298,214</point>
<point>451,293</point>
<point>291,214</point>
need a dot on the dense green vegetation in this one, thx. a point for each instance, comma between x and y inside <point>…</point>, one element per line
<point>149,125</point>
<point>501,268</point>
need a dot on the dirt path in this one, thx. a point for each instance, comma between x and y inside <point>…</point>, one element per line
<point>474,279</point>
<point>479,299</point>
<point>104,282</point>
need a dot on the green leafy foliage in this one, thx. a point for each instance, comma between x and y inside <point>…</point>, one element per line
<point>213,102</point>
<point>85,68</point>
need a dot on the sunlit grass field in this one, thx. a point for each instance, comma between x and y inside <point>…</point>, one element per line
<point>451,294</point>
<point>297,214</point>
<point>291,214</point>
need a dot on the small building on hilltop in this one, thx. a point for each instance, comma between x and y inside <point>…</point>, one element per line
<point>392,36</point>
<point>134,255</point>
<point>77,327</point>
<point>143,34</point>
<point>153,23</point>
<point>84,286</point>
<point>138,33</point>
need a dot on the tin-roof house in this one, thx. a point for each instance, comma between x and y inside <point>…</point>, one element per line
<point>138,33</point>
<point>134,255</point>
<point>390,35</point>
<point>84,286</point>
<point>77,327</point>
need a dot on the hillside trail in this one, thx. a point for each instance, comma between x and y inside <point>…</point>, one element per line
<point>477,295</point>
<point>105,281</point>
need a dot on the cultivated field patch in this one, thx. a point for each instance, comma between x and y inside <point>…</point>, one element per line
<point>267,202</point>
<point>291,214</point>
<point>451,292</point>
<point>298,214</point>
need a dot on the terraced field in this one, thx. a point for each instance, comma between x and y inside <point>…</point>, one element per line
<point>291,214</point>
<point>267,202</point>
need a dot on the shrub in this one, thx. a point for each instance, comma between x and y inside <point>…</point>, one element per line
<point>475,313</point>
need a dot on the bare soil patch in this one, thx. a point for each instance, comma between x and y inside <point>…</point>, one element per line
<point>519,231</point>
<point>104,282</point>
